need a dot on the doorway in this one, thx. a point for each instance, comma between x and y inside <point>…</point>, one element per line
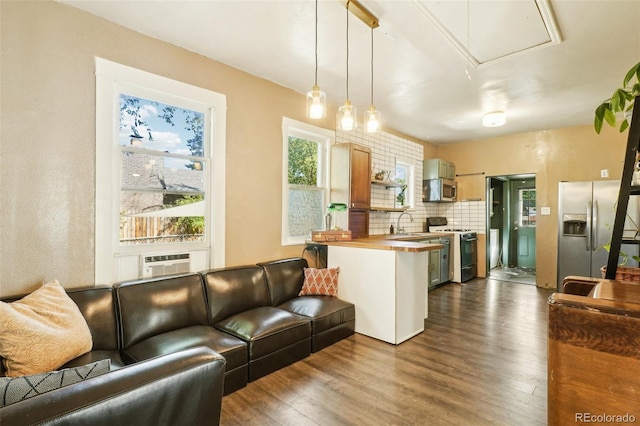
<point>511,228</point>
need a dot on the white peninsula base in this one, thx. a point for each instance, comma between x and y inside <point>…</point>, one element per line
<point>387,287</point>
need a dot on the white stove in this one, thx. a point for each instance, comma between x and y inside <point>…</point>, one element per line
<point>464,248</point>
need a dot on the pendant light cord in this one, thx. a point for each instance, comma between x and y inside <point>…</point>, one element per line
<point>371,65</point>
<point>468,47</point>
<point>316,73</point>
<point>348,49</point>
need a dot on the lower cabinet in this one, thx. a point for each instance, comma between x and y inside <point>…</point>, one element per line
<point>387,287</point>
<point>359,223</point>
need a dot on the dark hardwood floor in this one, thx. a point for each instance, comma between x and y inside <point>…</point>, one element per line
<point>482,360</point>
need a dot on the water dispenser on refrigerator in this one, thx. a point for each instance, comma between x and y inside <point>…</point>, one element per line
<point>574,224</point>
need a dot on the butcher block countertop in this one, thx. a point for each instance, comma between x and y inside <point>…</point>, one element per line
<point>397,242</point>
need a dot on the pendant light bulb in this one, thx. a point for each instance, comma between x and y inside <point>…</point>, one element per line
<point>347,116</point>
<point>372,119</point>
<point>316,103</point>
<point>372,115</point>
<point>316,99</point>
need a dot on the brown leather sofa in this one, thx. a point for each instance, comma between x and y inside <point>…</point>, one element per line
<point>251,315</point>
<point>239,305</point>
<point>97,306</point>
<point>183,387</point>
<point>164,315</point>
<point>332,319</point>
<point>249,318</point>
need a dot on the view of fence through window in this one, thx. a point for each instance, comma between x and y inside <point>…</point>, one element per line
<point>162,187</point>
<point>306,192</point>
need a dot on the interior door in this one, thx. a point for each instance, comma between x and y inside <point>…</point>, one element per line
<point>524,222</point>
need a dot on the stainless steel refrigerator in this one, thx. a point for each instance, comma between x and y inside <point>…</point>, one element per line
<point>586,213</point>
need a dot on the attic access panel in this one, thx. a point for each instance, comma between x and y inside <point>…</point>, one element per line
<point>486,31</point>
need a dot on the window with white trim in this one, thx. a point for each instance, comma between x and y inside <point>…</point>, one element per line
<point>160,167</point>
<point>404,174</point>
<point>163,172</point>
<point>305,179</point>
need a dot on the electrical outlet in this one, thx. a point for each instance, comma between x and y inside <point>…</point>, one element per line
<point>604,173</point>
<point>545,211</point>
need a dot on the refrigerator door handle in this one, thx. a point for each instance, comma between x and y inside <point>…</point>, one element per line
<point>594,232</point>
<point>589,226</point>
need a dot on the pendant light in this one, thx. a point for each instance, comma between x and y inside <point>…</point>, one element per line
<point>316,99</point>
<point>372,116</point>
<point>347,118</point>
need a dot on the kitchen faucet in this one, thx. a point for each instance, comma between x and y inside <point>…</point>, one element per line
<point>401,230</point>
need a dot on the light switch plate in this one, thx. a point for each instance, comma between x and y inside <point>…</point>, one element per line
<point>545,211</point>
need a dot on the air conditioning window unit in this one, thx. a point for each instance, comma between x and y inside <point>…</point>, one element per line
<point>165,264</point>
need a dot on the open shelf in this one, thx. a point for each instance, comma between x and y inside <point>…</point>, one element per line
<point>388,209</point>
<point>387,184</point>
<point>630,241</point>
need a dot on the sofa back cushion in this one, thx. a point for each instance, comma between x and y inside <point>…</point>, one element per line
<point>234,290</point>
<point>98,307</point>
<point>150,307</point>
<point>284,278</point>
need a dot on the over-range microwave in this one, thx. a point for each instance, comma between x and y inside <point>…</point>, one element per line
<point>438,190</point>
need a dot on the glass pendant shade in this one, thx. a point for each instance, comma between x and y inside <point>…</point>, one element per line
<point>347,117</point>
<point>316,103</point>
<point>372,119</point>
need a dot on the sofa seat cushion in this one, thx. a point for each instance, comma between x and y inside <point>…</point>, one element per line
<point>232,349</point>
<point>97,355</point>
<point>325,312</point>
<point>266,329</point>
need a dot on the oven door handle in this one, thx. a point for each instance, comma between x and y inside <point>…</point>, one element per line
<point>470,239</point>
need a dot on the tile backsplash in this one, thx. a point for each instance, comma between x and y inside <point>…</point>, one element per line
<point>386,149</point>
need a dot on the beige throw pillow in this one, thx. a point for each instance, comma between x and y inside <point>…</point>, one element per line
<point>42,331</point>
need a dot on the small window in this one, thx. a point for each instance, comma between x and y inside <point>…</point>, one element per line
<point>527,202</point>
<point>305,180</point>
<point>404,174</point>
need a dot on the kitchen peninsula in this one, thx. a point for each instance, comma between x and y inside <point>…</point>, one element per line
<point>386,278</point>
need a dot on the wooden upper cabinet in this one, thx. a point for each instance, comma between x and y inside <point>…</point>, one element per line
<point>360,177</point>
<point>351,175</point>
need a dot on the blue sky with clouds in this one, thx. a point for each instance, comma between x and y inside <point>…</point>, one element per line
<point>166,138</point>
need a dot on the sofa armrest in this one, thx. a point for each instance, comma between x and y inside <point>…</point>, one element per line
<point>182,388</point>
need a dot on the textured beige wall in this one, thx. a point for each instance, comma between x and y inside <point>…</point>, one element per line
<point>570,154</point>
<point>47,153</point>
<point>47,141</point>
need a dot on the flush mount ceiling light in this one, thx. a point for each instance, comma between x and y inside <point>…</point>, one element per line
<point>494,119</point>
<point>316,99</point>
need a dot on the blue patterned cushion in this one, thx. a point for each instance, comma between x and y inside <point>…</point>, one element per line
<point>14,389</point>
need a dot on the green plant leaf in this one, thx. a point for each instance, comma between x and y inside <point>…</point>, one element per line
<point>597,124</point>
<point>610,117</point>
<point>618,100</point>
<point>635,70</point>
<point>624,125</point>
<point>599,117</point>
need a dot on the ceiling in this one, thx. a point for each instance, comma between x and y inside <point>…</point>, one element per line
<point>438,65</point>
